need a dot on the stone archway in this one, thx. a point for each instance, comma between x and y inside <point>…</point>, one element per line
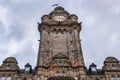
<point>61,78</point>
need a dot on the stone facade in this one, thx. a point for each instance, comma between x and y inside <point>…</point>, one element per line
<point>60,54</point>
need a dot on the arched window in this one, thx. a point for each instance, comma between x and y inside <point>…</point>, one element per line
<point>63,73</point>
<point>8,67</point>
<point>3,77</point>
<point>60,73</point>
<point>57,73</point>
<point>9,78</point>
<point>70,33</point>
<point>113,77</point>
<point>49,33</point>
<point>113,67</point>
<point>118,78</point>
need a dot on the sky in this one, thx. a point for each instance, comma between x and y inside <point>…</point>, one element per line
<point>19,34</point>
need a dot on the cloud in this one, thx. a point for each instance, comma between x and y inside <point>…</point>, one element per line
<point>4,19</point>
<point>113,38</point>
<point>115,9</point>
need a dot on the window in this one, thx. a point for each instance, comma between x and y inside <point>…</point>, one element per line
<point>9,78</point>
<point>27,69</point>
<point>118,78</point>
<point>48,32</point>
<point>60,73</point>
<point>93,69</point>
<point>71,42</point>
<point>3,77</point>
<point>113,77</point>
<point>60,62</point>
<point>48,41</point>
<point>63,73</point>
<point>113,67</point>
<point>8,67</point>
<point>57,73</point>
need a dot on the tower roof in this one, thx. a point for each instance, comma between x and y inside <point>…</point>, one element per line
<point>59,8</point>
<point>27,65</point>
<point>111,60</point>
<point>10,60</point>
<point>92,65</point>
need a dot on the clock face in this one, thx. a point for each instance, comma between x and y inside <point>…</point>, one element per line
<point>59,18</point>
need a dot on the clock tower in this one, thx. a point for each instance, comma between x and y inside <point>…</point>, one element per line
<point>60,54</point>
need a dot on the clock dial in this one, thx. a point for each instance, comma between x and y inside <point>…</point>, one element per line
<point>59,18</point>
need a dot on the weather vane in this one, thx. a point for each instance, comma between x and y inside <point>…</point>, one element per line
<point>55,5</point>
